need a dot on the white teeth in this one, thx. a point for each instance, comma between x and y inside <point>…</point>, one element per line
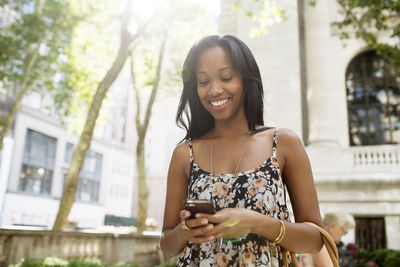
<point>219,103</point>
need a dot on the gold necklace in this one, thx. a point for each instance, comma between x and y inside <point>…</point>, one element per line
<point>241,155</point>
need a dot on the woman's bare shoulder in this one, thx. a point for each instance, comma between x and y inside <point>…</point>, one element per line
<point>182,150</point>
<point>287,137</point>
<point>180,160</point>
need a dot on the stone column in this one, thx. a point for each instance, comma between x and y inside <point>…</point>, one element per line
<point>392,224</point>
<point>228,18</point>
<point>320,74</point>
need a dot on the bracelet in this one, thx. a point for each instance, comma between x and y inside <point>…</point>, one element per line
<point>282,232</point>
<point>235,239</point>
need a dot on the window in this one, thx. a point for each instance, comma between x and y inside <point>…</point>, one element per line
<point>370,233</point>
<point>373,101</point>
<point>37,163</point>
<point>89,179</point>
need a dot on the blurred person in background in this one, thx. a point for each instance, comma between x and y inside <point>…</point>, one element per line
<point>337,224</point>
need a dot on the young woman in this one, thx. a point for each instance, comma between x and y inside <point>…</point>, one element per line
<point>229,157</point>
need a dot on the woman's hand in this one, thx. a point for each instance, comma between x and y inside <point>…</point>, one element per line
<point>196,230</point>
<point>229,223</point>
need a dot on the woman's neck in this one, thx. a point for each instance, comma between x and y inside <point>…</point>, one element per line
<point>231,129</point>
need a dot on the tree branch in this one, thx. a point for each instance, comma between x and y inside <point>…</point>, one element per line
<point>156,83</point>
<point>137,97</point>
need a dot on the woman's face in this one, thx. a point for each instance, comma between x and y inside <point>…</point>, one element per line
<point>337,232</point>
<point>219,86</point>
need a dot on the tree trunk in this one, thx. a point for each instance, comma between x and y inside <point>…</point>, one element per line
<point>78,157</point>
<point>141,128</point>
<point>22,91</point>
<point>142,187</point>
<point>11,115</point>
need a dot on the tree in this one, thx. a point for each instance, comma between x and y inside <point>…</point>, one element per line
<point>141,128</point>
<point>184,22</point>
<point>126,41</point>
<point>33,47</point>
<point>265,12</point>
<point>370,21</point>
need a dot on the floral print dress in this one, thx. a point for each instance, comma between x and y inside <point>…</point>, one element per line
<point>259,189</point>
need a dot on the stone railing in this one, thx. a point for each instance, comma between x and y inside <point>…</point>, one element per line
<point>376,155</point>
<point>330,162</point>
<point>37,245</point>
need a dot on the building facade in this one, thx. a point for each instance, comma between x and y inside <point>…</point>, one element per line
<point>37,152</point>
<point>343,100</point>
<point>40,154</point>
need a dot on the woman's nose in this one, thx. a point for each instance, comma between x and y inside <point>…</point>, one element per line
<point>215,89</point>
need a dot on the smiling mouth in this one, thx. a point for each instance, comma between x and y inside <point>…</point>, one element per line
<point>219,102</point>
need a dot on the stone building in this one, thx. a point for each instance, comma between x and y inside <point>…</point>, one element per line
<point>36,158</point>
<point>345,104</point>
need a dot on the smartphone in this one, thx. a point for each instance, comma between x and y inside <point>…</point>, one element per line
<point>198,206</point>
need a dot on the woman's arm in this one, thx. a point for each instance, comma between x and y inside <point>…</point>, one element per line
<point>297,175</point>
<point>174,237</point>
<point>322,259</point>
<point>172,241</point>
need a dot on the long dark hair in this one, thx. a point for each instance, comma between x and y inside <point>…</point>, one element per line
<point>190,108</point>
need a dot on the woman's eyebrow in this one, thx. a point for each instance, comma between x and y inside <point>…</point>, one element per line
<point>219,70</point>
<point>224,68</point>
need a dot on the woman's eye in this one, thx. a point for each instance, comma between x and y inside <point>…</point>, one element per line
<point>202,83</point>
<point>226,79</point>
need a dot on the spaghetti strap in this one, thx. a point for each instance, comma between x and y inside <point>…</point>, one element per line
<point>274,142</point>
<point>191,151</point>
<point>191,158</point>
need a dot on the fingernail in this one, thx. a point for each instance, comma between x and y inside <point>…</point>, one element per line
<point>210,226</point>
<point>210,238</point>
<point>204,221</point>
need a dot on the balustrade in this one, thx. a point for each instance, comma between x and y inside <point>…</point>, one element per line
<point>376,156</point>
<point>37,245</point>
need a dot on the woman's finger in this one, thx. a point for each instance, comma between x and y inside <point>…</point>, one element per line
<point>217,228</point>
<point>202,231</point>
<point>202,239</point>
<point>214,218</point>
<point>197,222</point>
<point>202,234</point>
<point>183,214</point>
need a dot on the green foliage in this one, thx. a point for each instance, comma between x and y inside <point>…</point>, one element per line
<point>171,263</point>
<point>378,255</point>
<point>93,47</point>
<point>186,22</point>
<point>34,39</point>
<point>81,262</point>
<point>370,21</point>
<point>54,262</point>
<point>86,262</point>
<point>386,257</point>
<point>125,264</point>
<point>28,263</point>
<point>356,257</point>
<point>392,259</point>
<point>265,13</point>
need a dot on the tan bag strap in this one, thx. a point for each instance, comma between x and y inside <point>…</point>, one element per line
<point>328,242</point>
